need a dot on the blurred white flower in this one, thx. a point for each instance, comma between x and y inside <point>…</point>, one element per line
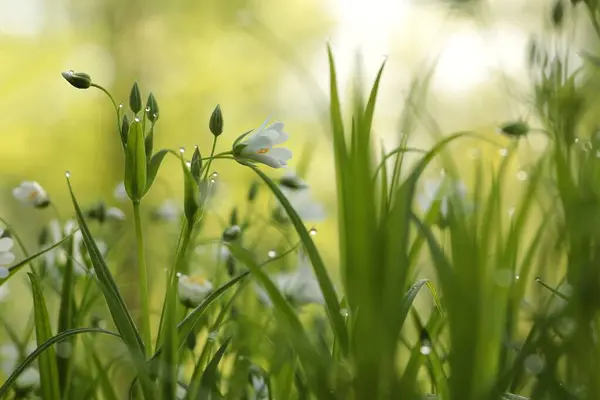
<point>29,379</point>
<point>115,214</point>
<point>31,193</point>
<point>259,146</point>
<point>120,193</point>
<point>6,255</point>
<point>300,287</point>
<point>4,291</point>
<point>441,189</point>
<point>9,358</point>
<point>193,289</point>
<point>169,210</point>
<point>260,387</point>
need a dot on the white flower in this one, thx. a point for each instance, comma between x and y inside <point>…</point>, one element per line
<point>31,193</point>
<point>259,146</point>
<point>169,210</point>
<point>28,379</point>
<point>6,256</point>
<point>261,389</point>
<point>299,287</point>
<point>115,214</point>
<point>120,193</point>
<point>193,289</point>
<point>9,358</point>
<point>4,291</point>
<point>441,190</point>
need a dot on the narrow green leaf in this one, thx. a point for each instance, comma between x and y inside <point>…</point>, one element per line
<point>191,200</point>
<point>42,348</point>
<point>409,298</point>
<point>43,332</point>
<point>108,391</point>
<point>210,376</point>
<point>135,162</point>
<point>169,355</point>
<point>118,310</point>
<point>15,268</point>
<point>331,301</point>
<point>154,165</point>
<point>65,317</point>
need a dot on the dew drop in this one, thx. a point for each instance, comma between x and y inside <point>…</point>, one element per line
<point>68,174</point>
<point>188,163</point>
<point>212,181</point>
<point>425,348</point>
<point>344,312</point>
<point>179,274</point>
<point>538,279</point>
<point>576,140</point>
<point>4,272</point>
<point>136,119</point>
<point>213,336</point>
<point>534,364</point>
<point>517,277</point>
<point>312,232</point>
<point>195,147</point>
<point>147,109</point>
<point>272,253</point>
<point>522,175</point>
<point>182,150</point>
<point>503,152</point>
<point>71,72</point>
<point>121,106</point>
<point>214,174</point>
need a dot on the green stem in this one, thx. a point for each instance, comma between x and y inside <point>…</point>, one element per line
<point>114,103</point>
<point>212,153</point>
<point>180,252</point>
<point>143,280</point>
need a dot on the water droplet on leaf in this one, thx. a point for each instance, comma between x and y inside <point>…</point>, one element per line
<point>312,232</point>
<point>68,174</point>
<point>136,119</point>
<point>272,253</point>
<point>503,152</point>
<point>182,150</point>
<point>344,312</point>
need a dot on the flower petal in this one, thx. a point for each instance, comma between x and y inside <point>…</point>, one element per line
<point>281,153</point>
<point>6,258</point>
<point>6,244</point>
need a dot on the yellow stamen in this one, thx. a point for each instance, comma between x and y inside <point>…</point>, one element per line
<point>33,195</point>
<point>263,151</point>
<point>197,280</point>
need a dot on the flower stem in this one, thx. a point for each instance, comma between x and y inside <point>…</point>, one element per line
<point>114,103</point>
<point>212,153</point>
<point>143,280</point>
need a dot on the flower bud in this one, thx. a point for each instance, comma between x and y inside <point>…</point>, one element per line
<point>196,165</point>
<point>253,191</point>
<point>216,121</point>
<point>152,107</point>
<point>292,182</point>
<point>135,98</point>
<point>233,217</point>
<point>232,233</point>
<point>80,80</point>
<point>230,265</point>
<point>558,13</point>
<point>515,129</point>
<point>124,130</point>
<point>98,212</point>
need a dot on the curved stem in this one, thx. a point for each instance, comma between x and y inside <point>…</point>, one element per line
<point>143,279</point>
<point>114,103</point>
<point>212,153</point>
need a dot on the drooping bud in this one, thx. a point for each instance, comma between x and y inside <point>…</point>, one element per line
<point>233,218</point>
<point>80,80</point>
<point>232,233</point>
<point>135,98</point>
<point>124,130</point>
<point>558,13</point>
<point>216,121</point>
<point>515,129</point>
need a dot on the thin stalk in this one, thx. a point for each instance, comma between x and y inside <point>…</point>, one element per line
<point>212,153</point>
<point>143,280</point>
<point>114,103</point>
<point>180,252</point>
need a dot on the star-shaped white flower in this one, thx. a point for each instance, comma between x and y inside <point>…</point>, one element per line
<point>258,146</point>
<point>31,193</point>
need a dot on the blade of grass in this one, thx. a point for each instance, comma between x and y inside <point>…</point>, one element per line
<point>210,376</point>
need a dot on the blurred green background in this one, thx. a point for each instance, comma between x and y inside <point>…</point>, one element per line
<point>257,59</point>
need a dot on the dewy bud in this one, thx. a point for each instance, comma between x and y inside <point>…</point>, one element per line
<point>79,80</point>
<point>558,12</point>
<point>152,107</point>
<point>216,121</point>
<point>196,165</point>
<point>253,191</point>
<point>515,129</point>
<point>124,130</point>
<point>135,99</point>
